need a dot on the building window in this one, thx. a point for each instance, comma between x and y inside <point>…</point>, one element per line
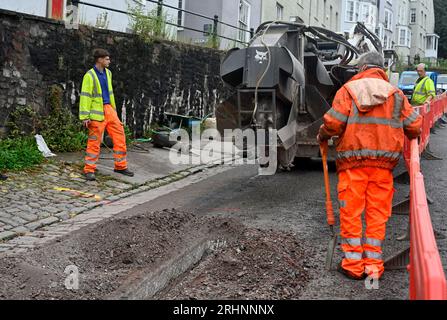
<point>279,12</point>
<point>380,32</point>
<point>331,18</point>
<point>388,19</point>
<point>365,12</point>
<point>357,11</point>
<point>350,11</point>
<point>413,16</point>
<point>430,45</point>
<point>324,11</point>
<point>317,11</point>
<point>368,15</point>
<point>244,20</point>
<point>404,37</point>
<point>180,21</point>
<point>353,13</point>
<point>336,22</point>
<point>403,14</point>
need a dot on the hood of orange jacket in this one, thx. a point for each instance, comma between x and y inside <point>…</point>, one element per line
<point>370,88</point>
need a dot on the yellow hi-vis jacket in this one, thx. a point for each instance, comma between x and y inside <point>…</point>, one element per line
<point>91,106</point>
<point>422,90</point>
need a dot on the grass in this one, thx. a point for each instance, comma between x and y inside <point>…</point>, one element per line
<point>19,153</point>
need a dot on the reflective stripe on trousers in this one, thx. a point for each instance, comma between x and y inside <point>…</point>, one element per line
<point>370,190</point>
<point>115,129</point>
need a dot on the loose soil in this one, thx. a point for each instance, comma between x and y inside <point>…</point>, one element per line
<point>260,264</point>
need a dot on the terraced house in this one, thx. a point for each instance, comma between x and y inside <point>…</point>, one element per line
<point>323,13</point>
<point>236,19</point>
<point>404,25</point>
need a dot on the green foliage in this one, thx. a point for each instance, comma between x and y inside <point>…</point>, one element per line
<point>442,64</point>
<point>149,25</point>
<point>400,66</point>
<point>22,121</point>
<point>61,131</point>
<point>129,135</point>
<point>213,41</point>
<point>441,26</point>
<point>19,153</point>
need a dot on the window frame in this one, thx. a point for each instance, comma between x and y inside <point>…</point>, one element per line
<point>180,15</point>
<point>244,24</point>
<point>279,9</point>
<point>389,17</point>
<point>413,14</point>
<point>348,2</point>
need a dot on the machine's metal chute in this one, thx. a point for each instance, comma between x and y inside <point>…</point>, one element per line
<point>286,80</point>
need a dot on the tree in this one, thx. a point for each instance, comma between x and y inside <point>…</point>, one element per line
<point>441,26</point>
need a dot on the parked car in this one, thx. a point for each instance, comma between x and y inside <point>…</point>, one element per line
<point>441,86</point>
<point>408,79</point>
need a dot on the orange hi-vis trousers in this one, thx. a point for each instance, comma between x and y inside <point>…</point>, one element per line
<point>371,190</point>
<point>115,129</point>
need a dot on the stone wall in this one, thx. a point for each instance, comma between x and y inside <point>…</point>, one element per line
<point>149,79</point>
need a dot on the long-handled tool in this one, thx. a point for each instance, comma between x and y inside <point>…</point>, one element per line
<point>329,208</point>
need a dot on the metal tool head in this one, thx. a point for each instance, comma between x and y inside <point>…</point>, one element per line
<point>330,252</point>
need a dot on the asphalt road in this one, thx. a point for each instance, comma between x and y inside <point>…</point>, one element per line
<point>294,201</point>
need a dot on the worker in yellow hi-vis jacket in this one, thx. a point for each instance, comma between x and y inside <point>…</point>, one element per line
<point>424,89</point>
<point>97,110</point>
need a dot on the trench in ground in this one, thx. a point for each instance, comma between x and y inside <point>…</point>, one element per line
<point>166,254</point>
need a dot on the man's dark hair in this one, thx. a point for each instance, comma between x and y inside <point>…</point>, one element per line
<point>100,53</point>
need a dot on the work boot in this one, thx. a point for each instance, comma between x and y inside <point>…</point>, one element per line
<point>349,275</point>
<point>125,172</point>
<point>90,176</point>
<point>2,177</point>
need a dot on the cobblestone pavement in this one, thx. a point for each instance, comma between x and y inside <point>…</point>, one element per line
<point>107,208</point>
<point>56,192</point>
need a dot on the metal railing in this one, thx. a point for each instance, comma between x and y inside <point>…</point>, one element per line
<point>160,5</point>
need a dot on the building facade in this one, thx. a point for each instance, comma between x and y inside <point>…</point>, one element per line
<point>424,40</point>
<point>406,26</point>
<point>93,16</point>
<point>386,22</point>
<point>243,14</point>
<point>354,11</point>
<point>403,33</point>
<point>321,13</point>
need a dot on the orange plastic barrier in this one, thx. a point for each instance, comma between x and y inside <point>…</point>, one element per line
<point>430,113</point>
<point>427,278</point>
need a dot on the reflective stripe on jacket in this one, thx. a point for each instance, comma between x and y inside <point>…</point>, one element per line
<point>370,117</point>
<point>422,90</point>
<point>91,105</point>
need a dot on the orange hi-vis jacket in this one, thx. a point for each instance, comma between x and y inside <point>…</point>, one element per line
<point>370,117</point>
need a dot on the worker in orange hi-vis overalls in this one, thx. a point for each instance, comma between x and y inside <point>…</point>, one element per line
<point>370,117</point>
<point>97,110</point>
